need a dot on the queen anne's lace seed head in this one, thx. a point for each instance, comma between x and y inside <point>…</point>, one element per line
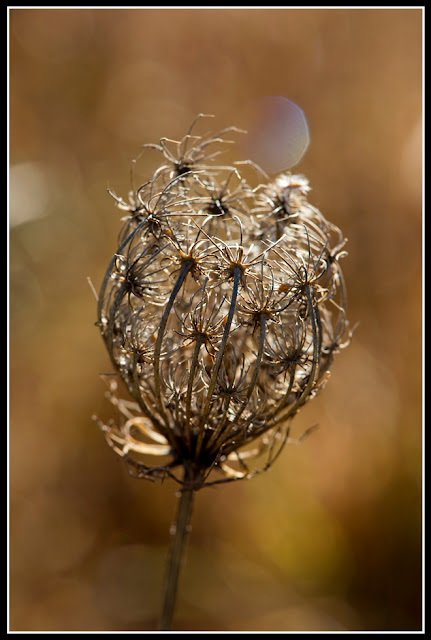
<point>221,310</point>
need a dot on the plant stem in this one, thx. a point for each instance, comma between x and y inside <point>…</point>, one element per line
<point>179,533</point>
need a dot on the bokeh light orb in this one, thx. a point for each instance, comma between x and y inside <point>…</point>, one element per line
<point>278,134</point>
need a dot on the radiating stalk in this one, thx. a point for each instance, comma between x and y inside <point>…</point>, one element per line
<point>316,328</point>
<point>162,327</point>
<point>193,366</point>
<point>254,377</point>
<point>251,386</point>
<point>218,361</point>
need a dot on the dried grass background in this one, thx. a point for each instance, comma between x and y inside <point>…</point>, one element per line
<point>330,537</point>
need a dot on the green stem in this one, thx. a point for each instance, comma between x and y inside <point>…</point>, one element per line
<point>179,534</point>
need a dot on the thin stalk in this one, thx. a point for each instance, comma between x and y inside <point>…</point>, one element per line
<point>193,367</point>
<point>262,321</point>
<point>213,440</point>
<point>179,533</point>
<point>162,327</point>
<point>316,328</point>
<point>217,364</point>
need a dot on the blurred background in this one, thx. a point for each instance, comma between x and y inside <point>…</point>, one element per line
<point>330,537</point>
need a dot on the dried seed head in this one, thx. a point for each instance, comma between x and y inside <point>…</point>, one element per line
<point>221,310</point>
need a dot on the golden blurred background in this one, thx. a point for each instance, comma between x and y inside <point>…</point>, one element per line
<point>330,537</point>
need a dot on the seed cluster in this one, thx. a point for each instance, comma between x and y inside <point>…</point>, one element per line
<point>221,310</point>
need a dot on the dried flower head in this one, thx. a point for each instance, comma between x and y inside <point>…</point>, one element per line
<point>221,310</point>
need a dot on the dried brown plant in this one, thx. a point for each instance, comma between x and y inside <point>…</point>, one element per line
<point>221,309</point>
